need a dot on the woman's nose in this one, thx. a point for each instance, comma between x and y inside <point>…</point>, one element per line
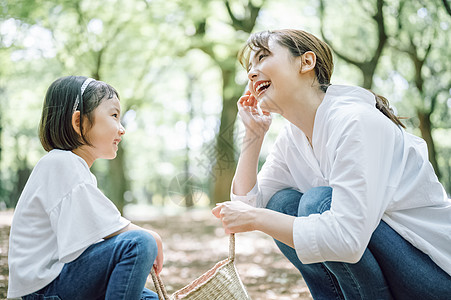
<point>252,74</point>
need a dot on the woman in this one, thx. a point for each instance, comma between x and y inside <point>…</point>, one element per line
<point>350,197</point>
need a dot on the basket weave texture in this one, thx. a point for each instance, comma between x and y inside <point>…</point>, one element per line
<point>221,282</point>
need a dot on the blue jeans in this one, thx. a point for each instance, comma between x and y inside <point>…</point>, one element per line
<point>390,268</point>
<point>116,268</point>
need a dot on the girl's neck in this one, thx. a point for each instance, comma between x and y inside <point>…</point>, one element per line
<point>85,154</point>
<point>303,110</point>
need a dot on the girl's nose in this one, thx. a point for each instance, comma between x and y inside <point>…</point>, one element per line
<point>121,129</point>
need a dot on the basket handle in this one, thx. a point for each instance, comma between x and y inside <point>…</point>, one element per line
<point>159,286</point>
<point>232,247</point>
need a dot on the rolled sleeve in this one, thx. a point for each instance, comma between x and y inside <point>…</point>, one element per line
<point>250,198</point>
<point>306,245</point>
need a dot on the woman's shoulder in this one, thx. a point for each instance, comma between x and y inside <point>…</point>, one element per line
<point>348,104</point>
<point>339,96</point>
<point>351,108</point>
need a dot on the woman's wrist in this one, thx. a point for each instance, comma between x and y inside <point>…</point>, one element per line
<point>251,135</point>
<point>258,215</point>
<point>277,225</point>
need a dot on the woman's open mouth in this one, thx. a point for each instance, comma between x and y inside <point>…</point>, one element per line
<point>261,87</point>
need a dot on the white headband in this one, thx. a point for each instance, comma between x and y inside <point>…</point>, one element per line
<point>83,88</point>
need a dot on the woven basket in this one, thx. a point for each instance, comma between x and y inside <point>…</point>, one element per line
<point>220,282</point>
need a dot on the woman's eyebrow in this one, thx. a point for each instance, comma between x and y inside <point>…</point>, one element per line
<point>255,55</point>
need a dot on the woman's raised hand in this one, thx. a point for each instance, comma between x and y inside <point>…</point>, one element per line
<point>249,113</point>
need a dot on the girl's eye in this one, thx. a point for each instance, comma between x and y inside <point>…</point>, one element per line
<point>261,56</point>
<point>115,115</point>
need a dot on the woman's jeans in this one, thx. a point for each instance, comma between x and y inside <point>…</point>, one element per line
<point>115,269</point>
<point>390,267</point>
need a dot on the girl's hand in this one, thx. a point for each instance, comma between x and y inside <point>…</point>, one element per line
<point>236,216</point>
<point>158,264</point>
<point>254,123</point>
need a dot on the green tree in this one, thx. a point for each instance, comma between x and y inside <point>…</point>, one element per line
<point>373,12</point>
<point>419,36</point>
<point>223,50</point>
<point>89,38</point>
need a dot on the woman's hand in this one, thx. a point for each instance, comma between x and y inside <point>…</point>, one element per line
<point>253,121</point>
<point>236,216</point>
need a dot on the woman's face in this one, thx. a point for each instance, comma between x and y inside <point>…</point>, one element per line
<point>273,76</point>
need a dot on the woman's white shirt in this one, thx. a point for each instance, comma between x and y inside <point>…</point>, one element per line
<point>377,171</point>
<point>60,213</point>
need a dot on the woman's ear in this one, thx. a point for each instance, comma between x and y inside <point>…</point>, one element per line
<point>76,121</point>
<point>308,61</point>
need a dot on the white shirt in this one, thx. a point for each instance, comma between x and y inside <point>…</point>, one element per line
<point>60,213</point>
<point>377,171</point>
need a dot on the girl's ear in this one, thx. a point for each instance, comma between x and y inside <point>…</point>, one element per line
<point>76,121</point>
<point>308,61</point>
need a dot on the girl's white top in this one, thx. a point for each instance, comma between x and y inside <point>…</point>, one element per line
<point>377,171</point>
<point>60,213</point>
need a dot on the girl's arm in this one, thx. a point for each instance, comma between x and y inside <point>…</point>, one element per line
<point>159,260</point>
<point>256,126</point>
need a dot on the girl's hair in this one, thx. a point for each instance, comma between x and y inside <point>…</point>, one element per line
<point>298,42</point>
<point>55,128</point>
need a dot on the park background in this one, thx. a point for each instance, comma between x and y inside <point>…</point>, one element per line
<point>174,65</point>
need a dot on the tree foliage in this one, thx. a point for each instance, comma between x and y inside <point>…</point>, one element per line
<point>174,65</point>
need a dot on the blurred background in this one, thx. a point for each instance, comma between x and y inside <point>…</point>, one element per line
<point>174,65</point>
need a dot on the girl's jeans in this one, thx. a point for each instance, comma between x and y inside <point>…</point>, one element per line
<point>390,267</point>
<point>116,268</point>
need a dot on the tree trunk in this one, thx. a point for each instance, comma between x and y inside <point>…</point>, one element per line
<point>367,79</point>
<point>426,133</point>
<point>225,164</point>
<point>118,183</point>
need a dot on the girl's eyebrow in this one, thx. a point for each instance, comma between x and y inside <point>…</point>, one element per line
<point>116,109</point>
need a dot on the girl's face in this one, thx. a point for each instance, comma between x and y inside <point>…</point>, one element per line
<point>273,76</point>
<point>106,131</point>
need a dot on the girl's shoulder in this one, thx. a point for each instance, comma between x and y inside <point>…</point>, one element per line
<point>55,175</point>
<point>60,165</point>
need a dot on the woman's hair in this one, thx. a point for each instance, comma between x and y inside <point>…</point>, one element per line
<point>298,42</point>
<point>55,128</point>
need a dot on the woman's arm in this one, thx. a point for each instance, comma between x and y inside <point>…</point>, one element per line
<point>256,127</point>
<point>237,216</point>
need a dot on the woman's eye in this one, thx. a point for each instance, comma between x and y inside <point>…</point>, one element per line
<point>261,56</point>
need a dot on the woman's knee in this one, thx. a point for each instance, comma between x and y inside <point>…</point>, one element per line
<point>315,201</point>
<point>285,201</point>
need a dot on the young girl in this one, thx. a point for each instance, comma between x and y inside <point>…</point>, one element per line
<point>351,198</point>
<point>68,241</point>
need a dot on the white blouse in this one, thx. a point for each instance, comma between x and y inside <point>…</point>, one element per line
<point>377,171</point>
<point>60,213</point>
